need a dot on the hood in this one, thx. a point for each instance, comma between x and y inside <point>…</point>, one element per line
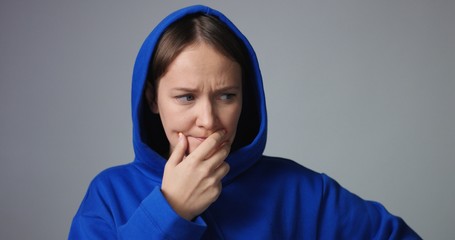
<point>147,126</point>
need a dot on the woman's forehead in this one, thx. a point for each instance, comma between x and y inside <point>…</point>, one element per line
<point>201,64</point>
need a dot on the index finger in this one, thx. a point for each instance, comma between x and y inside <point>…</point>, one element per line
<point>207,147</point>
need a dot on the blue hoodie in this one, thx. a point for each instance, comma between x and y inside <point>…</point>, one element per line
<point>262,197</point>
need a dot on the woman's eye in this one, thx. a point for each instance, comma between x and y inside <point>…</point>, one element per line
<point>185,98</point>
<point>227,96</point>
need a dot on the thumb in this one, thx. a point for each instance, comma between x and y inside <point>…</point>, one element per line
<point>179,151</point>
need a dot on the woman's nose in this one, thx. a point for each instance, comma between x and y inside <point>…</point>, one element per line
<point>206,115</point>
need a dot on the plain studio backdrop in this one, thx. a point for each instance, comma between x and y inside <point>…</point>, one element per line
<point>361,90</point>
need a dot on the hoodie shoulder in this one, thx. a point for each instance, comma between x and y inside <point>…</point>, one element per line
<point>286,167</point>
<point>276,172</point>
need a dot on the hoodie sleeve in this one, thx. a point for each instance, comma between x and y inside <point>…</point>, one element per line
<point>155,219</point>
<point>346,216</point>
<point>99,218</point>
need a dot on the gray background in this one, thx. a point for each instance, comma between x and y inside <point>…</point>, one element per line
<point>361,90</point>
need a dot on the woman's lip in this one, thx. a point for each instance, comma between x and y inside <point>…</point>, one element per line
<point>201,139</point>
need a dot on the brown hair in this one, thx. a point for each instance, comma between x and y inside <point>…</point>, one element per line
<point>210,30</point>
<point>192,29</point>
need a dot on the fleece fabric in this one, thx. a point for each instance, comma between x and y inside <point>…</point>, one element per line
<point>262,197</point>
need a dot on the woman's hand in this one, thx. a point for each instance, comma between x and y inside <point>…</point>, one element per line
<point>192,183</point>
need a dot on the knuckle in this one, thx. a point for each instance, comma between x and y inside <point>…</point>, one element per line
<point>226,166</point>
<point>204,170</point>
<point>220,135</point>
<point>222,153</point>
<point>191,163</point>
<point>212,181</point>
<point>212,141</point>
<point>226,150</point>
<point>215,191</point>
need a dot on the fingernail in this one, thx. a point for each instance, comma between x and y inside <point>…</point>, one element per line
<point>180,136</point>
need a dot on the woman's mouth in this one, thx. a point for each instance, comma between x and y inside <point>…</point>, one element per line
<point>200,139</point>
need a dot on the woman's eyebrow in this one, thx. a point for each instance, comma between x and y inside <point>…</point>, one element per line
<point>222,89</point>
<point>185,89</point>
<point>228,88</point>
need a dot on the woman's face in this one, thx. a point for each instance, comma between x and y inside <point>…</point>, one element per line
<point>200,93</point>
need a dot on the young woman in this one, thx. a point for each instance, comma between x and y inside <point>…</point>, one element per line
<point>199,123</point>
